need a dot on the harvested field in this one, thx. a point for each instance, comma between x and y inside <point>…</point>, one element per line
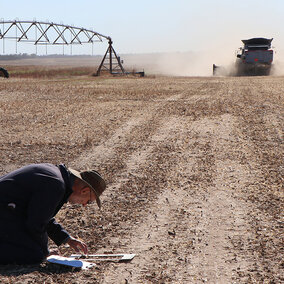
<point>194,168</point>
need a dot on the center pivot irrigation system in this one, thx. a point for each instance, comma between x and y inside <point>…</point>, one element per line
<point>46,33</point>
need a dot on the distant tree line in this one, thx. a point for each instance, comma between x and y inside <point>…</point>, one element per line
<point>27,56</point>
<point>17,56</point>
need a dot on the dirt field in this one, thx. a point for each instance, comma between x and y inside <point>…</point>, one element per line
<point>194,168</point>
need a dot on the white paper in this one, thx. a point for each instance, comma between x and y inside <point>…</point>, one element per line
<point>68,261</point>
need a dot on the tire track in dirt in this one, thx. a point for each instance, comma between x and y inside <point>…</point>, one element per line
<point>223,214</point>
<point>192,227</point>
<point>147,237</point>
<point>262,128</point>
<point>100,154</point>
<point>140,157</point>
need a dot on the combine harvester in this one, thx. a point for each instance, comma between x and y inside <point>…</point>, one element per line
<point>253,59</point>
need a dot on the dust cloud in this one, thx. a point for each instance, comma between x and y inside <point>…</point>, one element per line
<point>278,64</point>
<point>194,64</point>
<point>181,63</point>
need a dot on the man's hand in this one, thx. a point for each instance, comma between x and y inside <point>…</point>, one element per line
<point>77,245</point>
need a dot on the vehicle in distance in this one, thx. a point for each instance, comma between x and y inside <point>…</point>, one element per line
<point>255,57</point>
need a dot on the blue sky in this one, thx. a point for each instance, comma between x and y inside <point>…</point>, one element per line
<point>161,25</point>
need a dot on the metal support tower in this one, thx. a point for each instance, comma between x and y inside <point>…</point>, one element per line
<point>111,62</point>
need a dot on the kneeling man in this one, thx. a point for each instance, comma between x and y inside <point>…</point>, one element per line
<point>30,197</point>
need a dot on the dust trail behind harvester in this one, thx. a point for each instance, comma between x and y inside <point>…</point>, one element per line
<point>278,65</point>
<point>190,63</point>
<point>196,63</point>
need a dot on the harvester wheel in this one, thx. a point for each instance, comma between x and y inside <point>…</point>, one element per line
<point>214,69</point>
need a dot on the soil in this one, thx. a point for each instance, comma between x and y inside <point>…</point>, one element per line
<point>194,170</point>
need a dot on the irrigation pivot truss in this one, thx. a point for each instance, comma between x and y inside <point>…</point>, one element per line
<point>47,33</point>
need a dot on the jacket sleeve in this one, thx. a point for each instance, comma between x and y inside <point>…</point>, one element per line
<point>56,232</point>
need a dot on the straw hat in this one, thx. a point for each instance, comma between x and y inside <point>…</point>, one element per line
<point>93,180</point>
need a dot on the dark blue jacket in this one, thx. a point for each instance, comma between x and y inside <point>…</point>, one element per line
<point>30,197</point>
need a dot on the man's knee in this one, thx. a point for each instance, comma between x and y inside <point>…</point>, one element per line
<point>13,254</point>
